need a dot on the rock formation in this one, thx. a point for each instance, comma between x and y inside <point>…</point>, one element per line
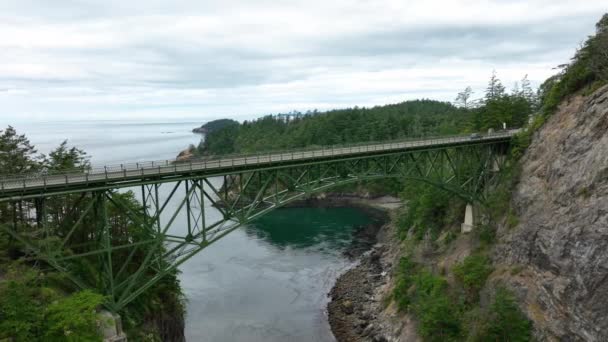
<point>560,245</point>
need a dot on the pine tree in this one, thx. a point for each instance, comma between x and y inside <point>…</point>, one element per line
<point>17,154</point>
<point>527,91</point>
<point>495,88</point>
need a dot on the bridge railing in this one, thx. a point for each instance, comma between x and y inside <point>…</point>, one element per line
<point>147,168</point>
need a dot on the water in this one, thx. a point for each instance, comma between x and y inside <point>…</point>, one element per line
<point>269,281</point>
<point>264,282</point>
<point>113,142</point>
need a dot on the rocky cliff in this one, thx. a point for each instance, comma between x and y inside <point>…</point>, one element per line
<point>558,252</point>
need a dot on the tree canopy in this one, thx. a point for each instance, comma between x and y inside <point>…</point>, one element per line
<point>408,119</point>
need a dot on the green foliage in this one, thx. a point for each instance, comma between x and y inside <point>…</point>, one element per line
<point>438,314</point>
<point>216,125</point>
<point>588,68</point>
<point>516,270</point>
<point>407,119</point>
<point>405,272</point>
<point>512,219</point>
<point>522,140</point>
<point>502,321</point>
<point>31,311</point>
<point>486,233</point>
<point>427,297</point>
<point>498,107</point>
<point>21,316</point>
<point>472,273</point>
<point>43,305</point>
<point>66,158</point>
<point>163,303</point>
<point>427,209</point>
<point>441,314</point>
<point>17,154</point>
<point>73,318</point>
<point>220,141</point>
<point>498,202</point>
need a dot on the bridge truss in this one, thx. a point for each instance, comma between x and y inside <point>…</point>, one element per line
<point>67,229</point>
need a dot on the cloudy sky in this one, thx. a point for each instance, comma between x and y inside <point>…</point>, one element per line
<point>203,59</point>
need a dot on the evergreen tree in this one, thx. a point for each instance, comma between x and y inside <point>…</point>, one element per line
<point>64,158</point>
<point>463,97</point>
<point>495,88</point>
<point>17,154</point>
<point>598,46</point>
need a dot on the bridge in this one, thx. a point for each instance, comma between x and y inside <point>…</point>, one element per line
<point>63,218</point>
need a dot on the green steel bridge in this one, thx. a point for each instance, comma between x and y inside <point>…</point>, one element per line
<point>62,219</point>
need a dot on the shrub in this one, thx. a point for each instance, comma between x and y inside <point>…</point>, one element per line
<point>426,295</point>
<point>503,321</point>
<point>21,315</point>
<point>472,272</point>
<point>428,210</point>
<point>487,234</point>
<point>438,314</point>
<point>405,273</point>
<point>74,318</point>
<point>588,69</point>
<point>30,311</point>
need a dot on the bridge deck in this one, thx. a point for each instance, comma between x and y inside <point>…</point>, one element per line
<point>133,174</point>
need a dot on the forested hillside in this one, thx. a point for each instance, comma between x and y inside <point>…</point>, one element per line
<point>416,118</point>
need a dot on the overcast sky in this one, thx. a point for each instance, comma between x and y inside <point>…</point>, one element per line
<point>198,59</point>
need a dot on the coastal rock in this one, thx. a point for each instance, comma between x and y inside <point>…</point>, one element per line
<point>185,155</point>
<point>347,307</point>
<point>561,241</point>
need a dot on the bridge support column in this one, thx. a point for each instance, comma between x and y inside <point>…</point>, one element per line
<point>110,327</point>
<point>498,162</point>
<point>469,217</point>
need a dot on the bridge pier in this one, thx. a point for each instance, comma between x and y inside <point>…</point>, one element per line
<point>469,219</point>
<point>498,162</point>
<point>110,327</point>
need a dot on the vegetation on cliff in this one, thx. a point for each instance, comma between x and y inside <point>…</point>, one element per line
<point>39,304</point>
<point>430,218</point>
<point>587,71</point>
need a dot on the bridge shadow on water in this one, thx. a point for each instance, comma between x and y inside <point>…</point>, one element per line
<point>326,229</point>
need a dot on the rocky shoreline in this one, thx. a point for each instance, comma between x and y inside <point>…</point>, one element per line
<point>359,308</point>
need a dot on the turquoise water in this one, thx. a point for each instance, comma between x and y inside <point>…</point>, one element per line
<point>267,281</point>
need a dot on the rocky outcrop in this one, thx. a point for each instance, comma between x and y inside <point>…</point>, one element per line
<point>185,155</point>
<point>558,252</point>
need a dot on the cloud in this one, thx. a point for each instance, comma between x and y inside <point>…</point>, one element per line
<point>202,59</point>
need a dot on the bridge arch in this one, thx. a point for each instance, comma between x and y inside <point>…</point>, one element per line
<point>245,191</point>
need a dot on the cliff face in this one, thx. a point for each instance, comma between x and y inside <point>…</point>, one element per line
<point>558,253</point>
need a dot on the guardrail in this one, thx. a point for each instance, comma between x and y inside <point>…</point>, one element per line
<point>168,167</point>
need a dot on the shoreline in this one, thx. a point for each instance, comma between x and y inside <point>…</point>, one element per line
<point>357,307</point>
